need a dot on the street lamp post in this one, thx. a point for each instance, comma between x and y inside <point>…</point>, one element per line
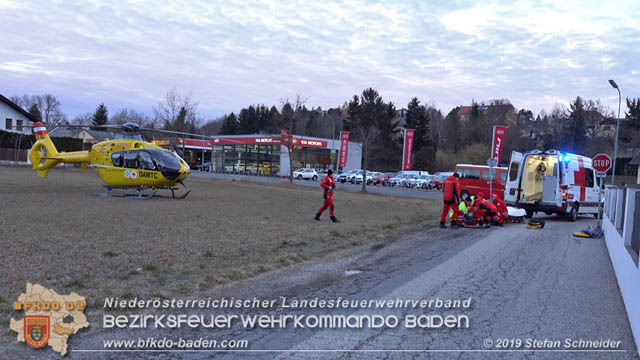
<point>615,148</point>
<point>333,143</point>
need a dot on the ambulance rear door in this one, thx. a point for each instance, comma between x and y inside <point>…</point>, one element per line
<point>512,183</point>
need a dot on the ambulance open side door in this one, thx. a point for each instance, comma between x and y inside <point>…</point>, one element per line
<point>511,193</point>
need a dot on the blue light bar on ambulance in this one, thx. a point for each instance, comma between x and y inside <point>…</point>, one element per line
<point>567,158</point>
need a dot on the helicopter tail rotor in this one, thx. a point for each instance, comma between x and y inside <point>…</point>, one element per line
<point>44,155</point>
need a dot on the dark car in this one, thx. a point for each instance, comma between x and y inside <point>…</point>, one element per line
<point>206,167</point>
<point>439,179</point>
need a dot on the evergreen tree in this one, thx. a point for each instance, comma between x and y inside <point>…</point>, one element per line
<point>230,125</point>
<point>633,115</point>
<point>418,119</point>
<point>476,127</point>
<point>101,116</point>
<point>288,120</point>
<point>248,120</point>
<point>452,130</point>
<point>575,127</point>
<point>35,113</point>
<point>273,121</point>
<point>181,120</point>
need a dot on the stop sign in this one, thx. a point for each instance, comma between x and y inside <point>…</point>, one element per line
<point>601,162</point>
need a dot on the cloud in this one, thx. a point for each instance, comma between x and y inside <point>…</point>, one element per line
<point>230,54</point>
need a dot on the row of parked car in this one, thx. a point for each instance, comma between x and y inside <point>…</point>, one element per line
<point>412,179</point>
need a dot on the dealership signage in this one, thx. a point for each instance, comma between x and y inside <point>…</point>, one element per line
<point>498,141</point>
<point>344,148</point>
<point>408,147</point>
<point>308,142</point>
<point>193,142</point>
<point>248,140</point>
<point>267,140</point>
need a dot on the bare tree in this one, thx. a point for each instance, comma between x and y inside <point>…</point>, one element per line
<point>125,115</point>
<point>367,136</point>
<point>168,109</point>
<point>48,104</point>
<point>82,119</point>
<point>290,116</point>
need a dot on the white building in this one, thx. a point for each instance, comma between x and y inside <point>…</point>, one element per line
<point>14,118</point>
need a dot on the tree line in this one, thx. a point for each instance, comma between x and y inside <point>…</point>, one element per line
<point>463,135</point>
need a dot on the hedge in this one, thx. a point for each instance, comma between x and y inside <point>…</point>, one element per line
<point>11,140</point>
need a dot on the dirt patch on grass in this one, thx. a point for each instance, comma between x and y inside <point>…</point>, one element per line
<point>57,233</point>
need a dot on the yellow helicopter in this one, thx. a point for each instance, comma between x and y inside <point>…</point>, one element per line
<point>126,163</point>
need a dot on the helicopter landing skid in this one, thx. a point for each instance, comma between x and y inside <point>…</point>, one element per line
<point>138,194</point>
<point>173,193</point>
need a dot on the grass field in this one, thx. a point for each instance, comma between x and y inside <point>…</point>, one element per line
<point>57,233</point>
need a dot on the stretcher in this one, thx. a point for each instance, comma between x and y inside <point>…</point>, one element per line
<point>516,215</point>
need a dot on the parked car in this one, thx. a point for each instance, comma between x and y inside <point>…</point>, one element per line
<point>382,179</point>
<point>438,180</point>
<point>351,177</point>
<point>234,168</point>
<point>371,176</point>
<point>202,167</point>
<point>307,174</point>
<point>400,180</point>
<point>420,182</point>
<point>475,179</point>
<point>345,175</point>
<point>357,178</point>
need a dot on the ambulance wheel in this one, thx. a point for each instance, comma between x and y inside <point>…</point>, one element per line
<point>529,214</point>
<point>464,195</point>
<point>315,177</point>
<point>573,214</point>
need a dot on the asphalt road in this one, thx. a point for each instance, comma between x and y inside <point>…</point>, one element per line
<point>524,285</point>
<point>395,190</point>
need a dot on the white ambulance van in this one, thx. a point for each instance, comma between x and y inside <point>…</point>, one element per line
<point>552,182</point>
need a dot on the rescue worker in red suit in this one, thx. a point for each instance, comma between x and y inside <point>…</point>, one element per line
<point>450,197</point>
<point>485,211</point>
<point>503,212</point>
<point>328,184</point>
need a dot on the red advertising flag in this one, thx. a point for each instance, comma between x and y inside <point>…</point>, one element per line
<point>344,148</point>
<point>498,141</point>
<point>408,147</point>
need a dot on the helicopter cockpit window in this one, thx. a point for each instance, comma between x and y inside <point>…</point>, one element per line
<point>117,159</point>
<point>131,159</point>
<point>164,159</point>
<point>145,161</point>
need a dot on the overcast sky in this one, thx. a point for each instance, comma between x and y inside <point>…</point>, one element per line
<point>231,54</point>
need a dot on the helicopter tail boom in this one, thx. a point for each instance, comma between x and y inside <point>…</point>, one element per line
<point>44,154</point>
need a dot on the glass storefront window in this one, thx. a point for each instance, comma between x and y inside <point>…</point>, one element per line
<point>247,159</point>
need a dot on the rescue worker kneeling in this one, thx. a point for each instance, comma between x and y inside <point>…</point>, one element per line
<point>503,212</point>
<point>485,211</point>
<point>463,210</point>
<point>450,197</point>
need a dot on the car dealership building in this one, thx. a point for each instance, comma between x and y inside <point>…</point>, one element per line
<point>266,155</point>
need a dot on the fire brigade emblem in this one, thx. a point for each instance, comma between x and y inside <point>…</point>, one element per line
<point>36,330</point>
